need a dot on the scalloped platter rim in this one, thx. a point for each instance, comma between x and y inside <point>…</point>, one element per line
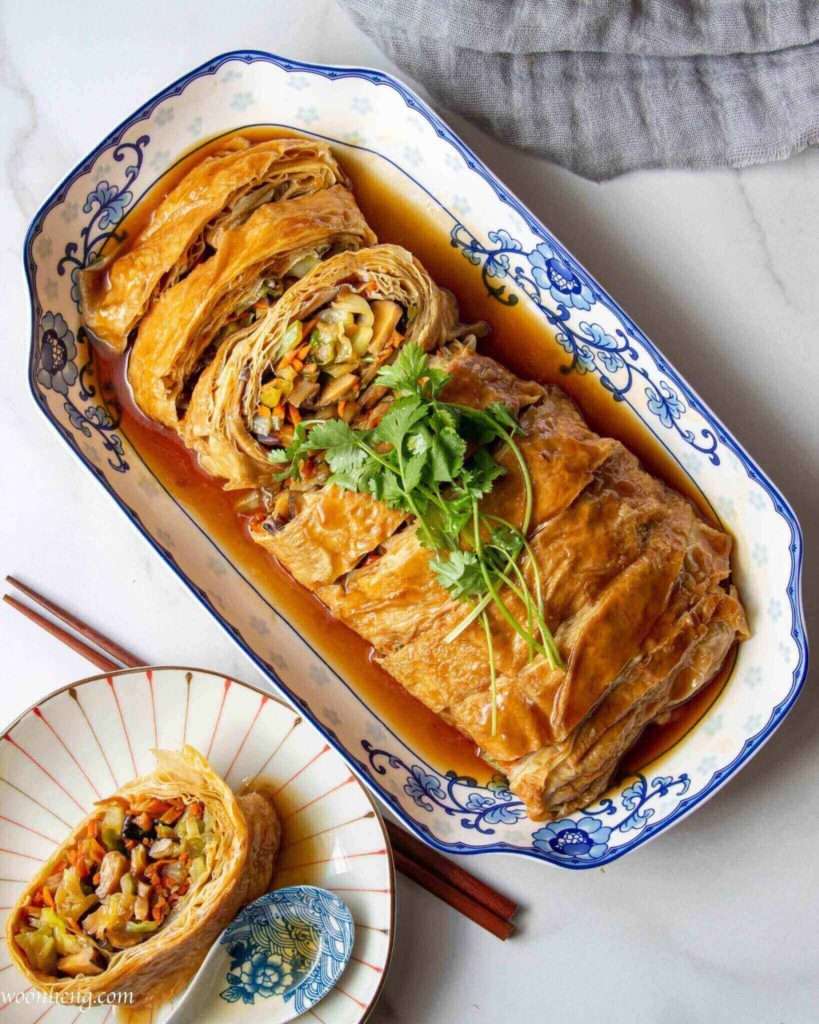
<point>519,260</point>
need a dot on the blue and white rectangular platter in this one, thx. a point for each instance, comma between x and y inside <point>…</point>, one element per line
<point>415,152</point>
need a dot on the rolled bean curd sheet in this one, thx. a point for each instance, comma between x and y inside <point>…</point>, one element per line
<point>216,196</point>
<point>173,856</point>
<point>332,529</point>
<point>254,264</point>
<point>313,355</point>
<point>635,590</point>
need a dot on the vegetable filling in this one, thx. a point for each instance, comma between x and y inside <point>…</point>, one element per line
<point>246,310</point>
<point>115,885</point>
<point>326,365</point>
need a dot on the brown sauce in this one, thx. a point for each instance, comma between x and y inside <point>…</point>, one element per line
<point>519,338</point>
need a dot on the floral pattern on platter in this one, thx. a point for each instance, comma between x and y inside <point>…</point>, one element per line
<point>559,288</point>
<point>293,943</point>
<point>477,807</point>
<point>587,838</point>
<point>57,371</point>
<point>107,204</point>
<point>58,352</point>
<point>481,807</point>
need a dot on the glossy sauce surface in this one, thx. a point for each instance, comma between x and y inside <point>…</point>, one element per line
<point>519,339</point>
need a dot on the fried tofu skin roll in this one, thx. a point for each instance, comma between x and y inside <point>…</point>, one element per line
<point>254,265</point>
<point>217,195</point>
<point>132,901</point>
<point>314,355</point>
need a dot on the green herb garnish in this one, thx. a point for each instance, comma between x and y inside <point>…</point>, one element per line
<point>432,459</point>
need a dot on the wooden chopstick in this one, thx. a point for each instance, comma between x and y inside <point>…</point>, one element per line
<point>451,872</point>
<point>425,866</point>
<point>67,638</point>
<point>113,649</point>
<point>456,899</point>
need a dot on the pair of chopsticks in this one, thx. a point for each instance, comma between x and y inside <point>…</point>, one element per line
<point>429,869</point>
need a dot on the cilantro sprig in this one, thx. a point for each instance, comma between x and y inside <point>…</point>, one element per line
<point>434,460</point>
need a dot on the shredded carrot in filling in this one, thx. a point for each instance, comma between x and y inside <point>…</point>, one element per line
<point>307,329</point>
<point>286,360</point>
<point>116,885</point>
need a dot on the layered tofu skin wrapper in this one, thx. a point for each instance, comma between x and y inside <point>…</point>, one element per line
<point>134,898</point>
<point>217,195</point>
<point>265,304</point>
<point>253,267</point>
<point>315,355</point>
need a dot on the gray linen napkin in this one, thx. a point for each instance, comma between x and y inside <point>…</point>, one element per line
<point>605,87</point>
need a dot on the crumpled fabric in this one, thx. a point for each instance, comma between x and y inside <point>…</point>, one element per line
<point>605,87</point>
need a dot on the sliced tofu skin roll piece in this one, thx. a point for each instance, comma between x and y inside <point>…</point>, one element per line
<point>313,355</point>
<point>217,195</point>
<point>253,267</point>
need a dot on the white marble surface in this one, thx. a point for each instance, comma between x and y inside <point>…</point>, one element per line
<point>715,922</point>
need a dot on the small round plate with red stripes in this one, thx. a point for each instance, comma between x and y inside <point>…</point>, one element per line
<point>87,739</point>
